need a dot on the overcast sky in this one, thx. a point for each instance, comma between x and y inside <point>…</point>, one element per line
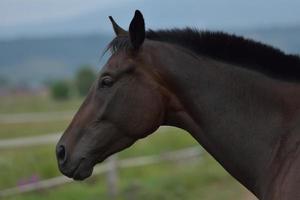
<point>50,17</point>
<point>18,12</point>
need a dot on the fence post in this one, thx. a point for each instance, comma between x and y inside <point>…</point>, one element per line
<point>112,177</point>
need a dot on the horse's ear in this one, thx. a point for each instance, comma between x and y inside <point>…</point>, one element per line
<point>137,30</point>
<point>118,30</point>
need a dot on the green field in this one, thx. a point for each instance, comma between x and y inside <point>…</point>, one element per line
<point>195,179</point>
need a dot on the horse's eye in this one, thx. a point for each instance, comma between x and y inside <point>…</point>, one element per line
<point>106,82</point>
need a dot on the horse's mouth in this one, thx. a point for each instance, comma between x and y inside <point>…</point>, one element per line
<point>83,170</point>
<point>85,167</point>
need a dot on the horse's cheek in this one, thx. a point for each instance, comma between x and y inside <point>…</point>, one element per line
<point>147,113</point>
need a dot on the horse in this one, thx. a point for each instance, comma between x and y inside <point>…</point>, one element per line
<point>240,99</point>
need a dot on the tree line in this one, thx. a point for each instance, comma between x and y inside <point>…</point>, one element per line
<point>79,86</point>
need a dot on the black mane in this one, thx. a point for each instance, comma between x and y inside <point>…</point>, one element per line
<point>229,48</point>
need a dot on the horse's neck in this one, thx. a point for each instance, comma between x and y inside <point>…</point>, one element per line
<point>285,173</point>
<point>237,115</point>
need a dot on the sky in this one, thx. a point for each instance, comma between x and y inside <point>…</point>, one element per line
<point>31,18</point>
<point>18,12</point>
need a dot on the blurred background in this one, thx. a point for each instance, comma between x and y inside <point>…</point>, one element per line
<point>50,54</point>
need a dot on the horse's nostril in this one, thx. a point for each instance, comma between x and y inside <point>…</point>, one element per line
<point>61,154</point>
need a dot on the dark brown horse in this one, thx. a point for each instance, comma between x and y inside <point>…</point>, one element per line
<point>238,98</point>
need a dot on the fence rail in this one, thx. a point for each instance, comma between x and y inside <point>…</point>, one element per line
<point>30,141</point>
<point>178,155</point>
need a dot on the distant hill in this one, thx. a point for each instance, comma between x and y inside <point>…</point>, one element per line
<point>36,60</point>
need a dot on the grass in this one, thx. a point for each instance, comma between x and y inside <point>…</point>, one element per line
<point>41,160</point>
<point>198,179</point>
<point>34,104</point>
<point>23,163</point>
<point>165,181</point>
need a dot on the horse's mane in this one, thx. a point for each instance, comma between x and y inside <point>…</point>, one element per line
<point>228,48</point>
